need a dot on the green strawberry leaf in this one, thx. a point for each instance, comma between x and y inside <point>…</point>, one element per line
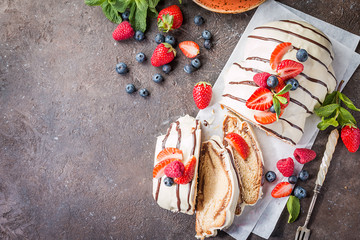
<point>345,117</point>
<point>284,90</point>
<point>277,107</point>
<point>293,207</point>
<point>325,123</point>
<point>348,102</point>
<point>283,100</point>
<point>326,111</point>
<point>330,98</point>
<point>94,2</point>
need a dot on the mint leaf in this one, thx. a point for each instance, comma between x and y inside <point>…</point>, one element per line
<point>132,7</point>
<point>330,98</point>
<point>293,207</point>
<point>111,13</point>
<point>284,90</point>
<point>325,123</point>
<point>153,3</point>
<point>283,100</point>
<point>345,117</point>
<point>277,107</point>
<point>94,2</point>
<point>140,15</point>
<point>142,5</point>
<point>121,5</point>
<point>347,102</point>
<point>327,110</point>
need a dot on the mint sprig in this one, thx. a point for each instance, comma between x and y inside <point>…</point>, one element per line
<point>293,207</point>
<point>277,99</point>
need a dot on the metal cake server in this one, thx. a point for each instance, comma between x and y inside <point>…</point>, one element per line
<point>303,233</point>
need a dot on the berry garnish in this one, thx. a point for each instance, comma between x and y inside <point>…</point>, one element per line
<point>292,179</point>
<point>261,99</point>
<point>140,57</point>
<point>196,63</point>
<point>121,68</point>
<point>198,20</point>
<point>139,36</point>
<point>166,68</point>
<point>125,15</point>
<point>300,192</point>
<point>270,176</point>
<point>302,55</point>
<point>157,78</point>
<point>206,35</point>
<point>168,153</point>
<point>303,175</point>
<point>289,69</point>
<point>282,189</point>
<point>350,136</point>
<point>170,40</point>
<point>188,68</point>
<point>123,31</point>
<point>170,18</point>
<point>304,155</point>
<point>272,81</point>
<point>239,144</point>
<point>159,38</point>
<point>207,44</point>
<point>294,83</point>
<point>202,94</point>
<point>168,181</point>
<point>261,79</point>
<point>163,54</point>
<point>266,117</point>
<point>130,88</point>
<point>159,168</point>
<point>286,166</point>
<point>188,173</point>
<point>189,48</point>
<point>144,92</point>
<point>272,109</point>
<point>174,169</point>
<point>278,54</point>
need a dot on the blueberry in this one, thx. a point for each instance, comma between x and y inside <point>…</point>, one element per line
<point>272,81</point>
<point>121,68</point>
<point>270,176</point>
<point>294,83</point>
<point>198,20</point>
<point>139,36</point>
<point>206,35</point>
<point>140,57</point>
<point>292,179</point>
<point>170,40</point>
<point>196,63</point>
<point>157,78</point>
<point>125,15</point>
<point>168,181</point>
<point>207,44</point>
<point>188,68</point>
<point>144,92</point>
<point>166,68</point>
<point>302,55</point>
<point>130,88</point>
<point>303,175</point>
<point>159,38</point>
<point>299,192</point>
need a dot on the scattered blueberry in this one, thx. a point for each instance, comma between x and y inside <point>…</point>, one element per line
<point>272,81</point>
<point>198,20</point>
<point>168,181</point>
<point>302,55</point>
<point>272,109</point>
<point>125,15</point>
<point>140,57</point>
<point>170,40</point>
<point>270,176</point>
<point>196,63</point>
<point>294,83</point>
<point>166,68</point>
<point>130,88</point>
<point>188,68</point>
<point>292,179</point>
<point>207,44</point>
<point>299,192</point>
<point>303,175</point>
<point>159,38</point>
<point>144,92</point>
<point>157,78</point>
<point>121,68</point>
<point>206,35</point>
<point>139,36</point>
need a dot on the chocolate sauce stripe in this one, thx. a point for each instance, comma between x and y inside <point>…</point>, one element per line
<point>301,105</point>
<point>299,36</point>
<point>292,125</point>
<point>234,167</point>
<point>248,69</point>
<point>249,83</point>
<point>278,135</point>
<point>311,95</point>
<point>235,98</point>
<point>178,129</point>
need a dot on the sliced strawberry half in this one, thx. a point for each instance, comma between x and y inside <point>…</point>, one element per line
<point>261,99</point>
<point>278,54</point>
<point>282,189</point>
<point>188,173</point>
<point>266,117</point>
<point>261,79</point>
<point>168,153</point>
<point>239,144</point>
<point>286,95</point>
<point>159,168</point>
<point>289,69</point>
<point>189,48</point>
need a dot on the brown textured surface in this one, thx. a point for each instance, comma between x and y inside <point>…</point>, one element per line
<point>76,150</point>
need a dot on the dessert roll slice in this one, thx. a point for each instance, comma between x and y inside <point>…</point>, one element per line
<point>248,159</point>
<point>218,189</point>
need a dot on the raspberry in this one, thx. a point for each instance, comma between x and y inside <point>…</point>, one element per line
<point>123,31</point>
<point>286,166</point>
<point>304,155</point>
<point>175,169</point>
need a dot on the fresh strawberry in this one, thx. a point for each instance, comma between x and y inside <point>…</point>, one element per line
<point>261,79</point>
<point>261,99</point>
<point>188,173</point>
<point>278,54</point>
<point>174,169</point>
<point>289,69</point>
<point>170,18</point>
<point>282,189</point>
<point>123,31</point>
<point>286,95</point>
<point>189,48</point>
<point>239,144</point>
<point>202,93</point>
<point>159,168</point>
<point>286,166</point>
<point>304,155</point>
<point>350,136</point>
<point>163,54</point>
<point>168,153</point>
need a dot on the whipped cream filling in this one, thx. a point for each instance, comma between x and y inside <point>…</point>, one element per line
<point>316,80</point>
<point>184,134</point>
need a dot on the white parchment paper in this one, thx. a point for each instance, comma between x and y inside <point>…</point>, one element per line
<point>345,63</point>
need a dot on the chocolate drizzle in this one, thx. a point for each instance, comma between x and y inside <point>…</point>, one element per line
<point>311,95</point>
<point>234,166</point>
<point>178,129</point>
<point>258,59</point>
<point>235,98</point>
<point>248,69</point>
<point>166,136</point>
<point>157,190</point>
<point>292,125</point>
<point>278,135</point>
<point>178,196</point>
<point>314,80</point>
<point>301,105</point>
<point>249,83</point>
